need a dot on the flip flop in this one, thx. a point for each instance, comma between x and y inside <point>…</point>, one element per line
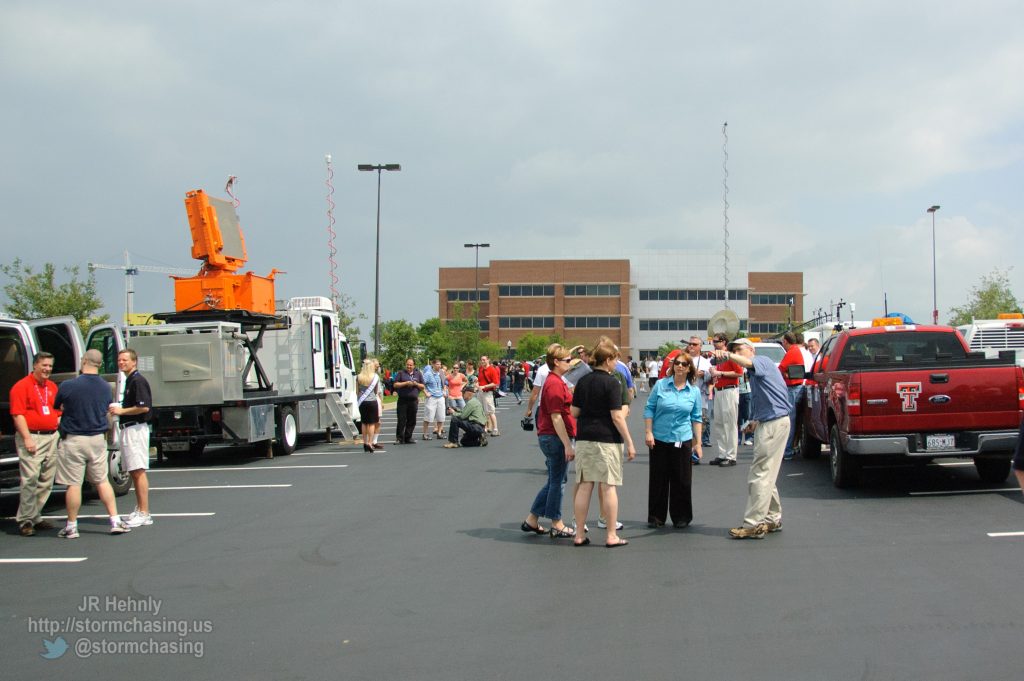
<point>622,542</point>
<point>535,530</point>
<point>585,542</point>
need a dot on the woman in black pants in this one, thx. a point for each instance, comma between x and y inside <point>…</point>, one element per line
<point>672,423</point>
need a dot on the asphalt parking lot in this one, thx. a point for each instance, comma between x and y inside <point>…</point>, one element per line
<point>410,564</point>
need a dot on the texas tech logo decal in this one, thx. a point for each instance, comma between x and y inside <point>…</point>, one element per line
<point>908,393</point>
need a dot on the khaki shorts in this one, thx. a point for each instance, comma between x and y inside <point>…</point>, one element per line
<point>487,399</point>
<point>135,447</point>
<point>82,456</point>
<point>599,462</point>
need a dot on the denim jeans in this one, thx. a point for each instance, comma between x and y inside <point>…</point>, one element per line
<point>796,394</point>
<point>548,502</point>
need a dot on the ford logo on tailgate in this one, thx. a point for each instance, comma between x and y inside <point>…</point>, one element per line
<point>939,399</point>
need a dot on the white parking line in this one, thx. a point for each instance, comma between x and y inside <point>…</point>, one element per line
<point>963,491</point>
<point>953,464</point>
<point>793,475</point>
<point>1005,534</point>
<point>9,561</point>
<point>104,515</point>
<point>237,469</point>
<point>165,489</point>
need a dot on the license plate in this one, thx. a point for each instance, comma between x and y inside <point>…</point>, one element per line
<point>940,442</point>
<point>183,446</point>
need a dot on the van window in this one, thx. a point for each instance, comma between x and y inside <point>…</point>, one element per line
<point>56,339</point>
<point>13,362</point>
<point>104,341</point>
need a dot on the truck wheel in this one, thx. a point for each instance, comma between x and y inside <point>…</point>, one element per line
<point>287,432</point>
<point>118,478</point>
<point>845,471</point>
<point>992,470</point>
<point>810,446</point>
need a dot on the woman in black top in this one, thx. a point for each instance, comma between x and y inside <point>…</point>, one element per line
<point>601,429</point>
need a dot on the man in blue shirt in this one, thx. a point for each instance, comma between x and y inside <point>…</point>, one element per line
<point>436,386</point>
<point>83,454</point>
<point>769,422</point>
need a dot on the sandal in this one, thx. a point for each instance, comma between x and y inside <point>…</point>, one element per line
<point>535,530</point>
<point>585,542</point>
<point>563,532</point>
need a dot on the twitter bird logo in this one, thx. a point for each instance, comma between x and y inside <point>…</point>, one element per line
<point>54,649</point>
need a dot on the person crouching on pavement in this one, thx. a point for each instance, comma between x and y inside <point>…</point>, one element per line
<point>133,414</point>
<point>770,425</point>
<point>470,419</point>
<point>83,452</point>
<point>35,436</point>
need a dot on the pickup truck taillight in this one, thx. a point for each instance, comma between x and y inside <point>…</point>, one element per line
<point>1020,388</point>
<point>853,399</point>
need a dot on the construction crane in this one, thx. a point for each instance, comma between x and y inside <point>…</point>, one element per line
<point>130,271</point>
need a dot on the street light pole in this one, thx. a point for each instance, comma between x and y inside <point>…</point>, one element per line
<point>476,277</point>
<point>935,303</point>
<point>376,275</point>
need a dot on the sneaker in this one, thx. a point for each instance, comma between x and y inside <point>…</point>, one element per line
<point>26,529</point>
<point>717,461</point>
<point>427,436</point>
<point>68,532</point>
<point>603,524</point>
<point>727,462</point>
<point>774,525</point>
<point>120,527</point>
<point>585,528</point>
<point>44,525</point>
<point>749,443</point>
<point>451,445</point>
<point>756,532</point>
<point>138,519</point>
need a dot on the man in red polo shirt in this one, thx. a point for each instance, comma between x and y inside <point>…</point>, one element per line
<point>35,425</point>
<point>794,357</point>
<point>727,376</point>
<point>490,380</point>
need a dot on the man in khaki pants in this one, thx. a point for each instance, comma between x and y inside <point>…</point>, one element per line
<point>770,424</point>
<point>35,425</point>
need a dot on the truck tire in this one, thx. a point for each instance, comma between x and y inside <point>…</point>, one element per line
<point>845,470</point>
<point>287,431</point>
<point>118,478</point>
<point>992,470</point>
<point>810,446</point>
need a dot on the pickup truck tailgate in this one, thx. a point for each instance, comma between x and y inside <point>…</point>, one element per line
<point>943,398</point>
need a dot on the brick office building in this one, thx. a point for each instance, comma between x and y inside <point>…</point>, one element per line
<point>640,302</point>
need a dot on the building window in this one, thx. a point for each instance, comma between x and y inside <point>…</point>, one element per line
<point>691,294</point>
<point>758,328</point>
<point>592,322</point>
<point>678,324</point>
<point>592,289</point>
<point>466,295</point>
<point>772,298</point>
<point>520,290</point>
<point>526,322</point>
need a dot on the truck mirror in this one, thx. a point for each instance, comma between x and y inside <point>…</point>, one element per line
<point>795,371</point>
<point>362,351</point>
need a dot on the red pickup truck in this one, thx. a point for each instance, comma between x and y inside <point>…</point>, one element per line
<point>911,393</point>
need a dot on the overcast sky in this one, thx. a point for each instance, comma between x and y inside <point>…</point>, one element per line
<point>540,127</point>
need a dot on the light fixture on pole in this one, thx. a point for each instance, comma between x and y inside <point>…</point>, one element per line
<point>376,276</point>
<point>476,277</point>
<point>935,303</point>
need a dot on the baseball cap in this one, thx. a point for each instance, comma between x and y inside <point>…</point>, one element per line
<point>740,341</point>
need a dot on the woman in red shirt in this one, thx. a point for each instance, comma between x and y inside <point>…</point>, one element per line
<point>556,429</point>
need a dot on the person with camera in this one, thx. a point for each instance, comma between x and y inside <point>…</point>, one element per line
<point>556,429</point>
<point>727,375</point>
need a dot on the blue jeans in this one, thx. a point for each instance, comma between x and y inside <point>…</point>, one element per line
<point>796,394</point>
<point>548,502</point>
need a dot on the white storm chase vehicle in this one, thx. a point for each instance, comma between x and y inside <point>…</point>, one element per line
<point>993,336</point>
<point>238,377</point>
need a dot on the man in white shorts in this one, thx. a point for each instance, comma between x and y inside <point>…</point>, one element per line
<point>435,385</point>
<point>83,450</point>
<point>133,414</point>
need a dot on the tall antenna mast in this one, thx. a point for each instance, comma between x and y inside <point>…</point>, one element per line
<point>725,209</point>
<point>331,250</point>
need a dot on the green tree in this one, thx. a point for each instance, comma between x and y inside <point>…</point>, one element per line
<point>347,318</point>
<point>988,299</point>
<point>32,295</point>
<point>532,346</point>
<point>667,347</point>
<point>398,342</point>
<point>436,340</point>
<point>465,332</point>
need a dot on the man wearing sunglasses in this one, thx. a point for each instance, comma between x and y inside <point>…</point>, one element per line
<point>726,376</point>
<point>703,367</point>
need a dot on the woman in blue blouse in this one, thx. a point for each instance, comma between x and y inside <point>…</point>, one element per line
<point>673,422</point>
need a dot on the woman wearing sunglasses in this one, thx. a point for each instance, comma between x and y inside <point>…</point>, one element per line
<point>672,424</point>
<point>556,429</point>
